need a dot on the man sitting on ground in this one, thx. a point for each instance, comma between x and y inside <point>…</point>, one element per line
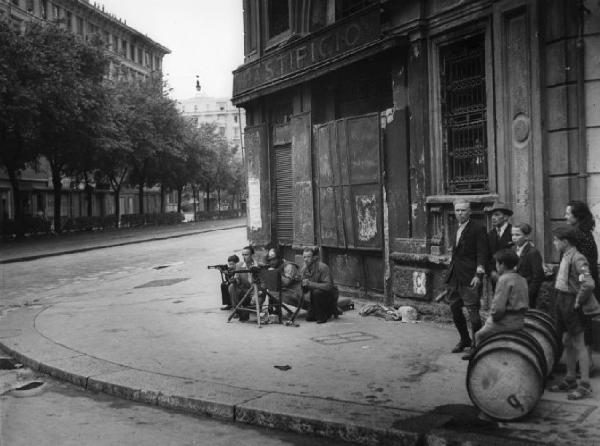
<point>317,282</point>
<point>228,277</point>
<point>242,282</point>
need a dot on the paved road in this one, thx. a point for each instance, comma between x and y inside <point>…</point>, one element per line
<point>142,321</point>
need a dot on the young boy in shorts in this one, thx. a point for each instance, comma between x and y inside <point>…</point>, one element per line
<point>510,302</point>
<point>574,294</point>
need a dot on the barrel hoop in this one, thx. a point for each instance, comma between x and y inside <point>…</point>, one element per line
<point>528,359</point>
<point>531,344</point>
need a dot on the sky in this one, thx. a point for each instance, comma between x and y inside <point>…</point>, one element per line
<point>205,38</point>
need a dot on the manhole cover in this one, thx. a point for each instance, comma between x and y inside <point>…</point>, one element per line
<point>344,338</point>
<point>162,282</point>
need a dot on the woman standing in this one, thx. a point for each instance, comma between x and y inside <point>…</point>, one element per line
<point>579,216</point>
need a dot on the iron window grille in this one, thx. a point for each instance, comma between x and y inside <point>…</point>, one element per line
<point>464,118</point>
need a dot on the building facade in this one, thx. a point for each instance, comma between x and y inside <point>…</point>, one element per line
<point>136,57</point>
<point>230,120</point>
<point>368,118</point>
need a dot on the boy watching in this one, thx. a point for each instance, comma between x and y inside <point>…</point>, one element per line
<point>510,300</point>
<point>574,287</point>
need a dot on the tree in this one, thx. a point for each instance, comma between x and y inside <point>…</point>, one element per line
<point>71,98</point>
<point>114,147</point>
<point>19,111</point>
<point>154,128</point>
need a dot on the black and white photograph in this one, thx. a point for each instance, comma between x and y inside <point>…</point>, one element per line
<point>299,222</point>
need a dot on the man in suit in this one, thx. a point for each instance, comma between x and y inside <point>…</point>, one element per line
<point>467,267</point>
<point>499,237</point>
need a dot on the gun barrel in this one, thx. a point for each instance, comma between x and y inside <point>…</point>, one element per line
<point>218,266</point>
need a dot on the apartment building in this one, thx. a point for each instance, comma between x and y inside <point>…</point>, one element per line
<point>136,57</point>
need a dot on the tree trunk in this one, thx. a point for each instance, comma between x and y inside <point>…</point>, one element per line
<point>207,191</point>
<point>89,193</point>
<point>194,201</point>
<point>57,187</point>
<point>219,198</point>
<point>18,217</point>
<point>117,197</point>
<point>162,199</point>
<point>179,193</point>
<point>141,197</point>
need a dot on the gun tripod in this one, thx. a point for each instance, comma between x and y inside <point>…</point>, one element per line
<point>263,282</point>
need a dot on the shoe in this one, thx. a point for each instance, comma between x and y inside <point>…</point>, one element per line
<point>226,307</point>
<point>461,346</point>
<point>564,386</point>
<point>582,391</point>
<point>469,353</point>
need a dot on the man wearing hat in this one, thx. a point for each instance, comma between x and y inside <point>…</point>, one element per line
<point>499,236</point>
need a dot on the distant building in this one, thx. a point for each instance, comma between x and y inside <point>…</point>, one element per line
<point>229,119</point>
<point>137,57</point>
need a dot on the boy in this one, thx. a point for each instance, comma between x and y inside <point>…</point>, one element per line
<point>227,279</point>
<point>510,300</point>
<point>574,287</point>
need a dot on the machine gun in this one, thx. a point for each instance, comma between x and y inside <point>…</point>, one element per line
<point>221,267</point>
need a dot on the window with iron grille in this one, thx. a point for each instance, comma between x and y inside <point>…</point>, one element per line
<point>464,119</point>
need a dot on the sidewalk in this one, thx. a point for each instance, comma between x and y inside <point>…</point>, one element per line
<point>68,243</point>
<point>159,337</point>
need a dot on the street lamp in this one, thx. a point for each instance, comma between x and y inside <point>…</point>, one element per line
<point>198,88</point>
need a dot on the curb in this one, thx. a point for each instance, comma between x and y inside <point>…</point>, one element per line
<point>112,245</point>
<point>248,410</point>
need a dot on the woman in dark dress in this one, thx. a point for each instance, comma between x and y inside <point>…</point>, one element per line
<point>578,215</point>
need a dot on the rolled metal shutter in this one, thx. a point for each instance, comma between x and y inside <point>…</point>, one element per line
<point>283,186</point>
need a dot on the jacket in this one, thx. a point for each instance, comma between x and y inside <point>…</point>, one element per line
<point>530,267</point>
<point>579,281</point>
<point>468,253</point>
<point>510,296</point>
<point>495,244</point>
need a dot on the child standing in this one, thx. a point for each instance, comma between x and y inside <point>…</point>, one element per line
<point>510,300</point>
<point>574,297</point>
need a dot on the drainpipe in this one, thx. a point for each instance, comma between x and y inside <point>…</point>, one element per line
<point>580,61</point>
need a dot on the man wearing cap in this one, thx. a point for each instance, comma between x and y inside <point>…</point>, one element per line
<point>499,237</point>
<point>467,266</point>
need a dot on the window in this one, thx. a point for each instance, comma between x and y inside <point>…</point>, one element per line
<point>124,48</point>
<point>222,131</point>
<point>278,17</point>
<point>79,26</point>
<point>115,44</point>
<point>132,52</point>
<point>140,56</point>
<point>44,9</point>
<point>30,6</point>
<point>55,12</point>
<point>221,106</point>
<point>69,19</point>
<point>235,118</point>
<point>464,116</point>
<point>250,28</point>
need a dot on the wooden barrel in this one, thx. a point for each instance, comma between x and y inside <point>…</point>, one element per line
<point>546,335</point>
<point>506,376</point>
<point>546,319</point>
